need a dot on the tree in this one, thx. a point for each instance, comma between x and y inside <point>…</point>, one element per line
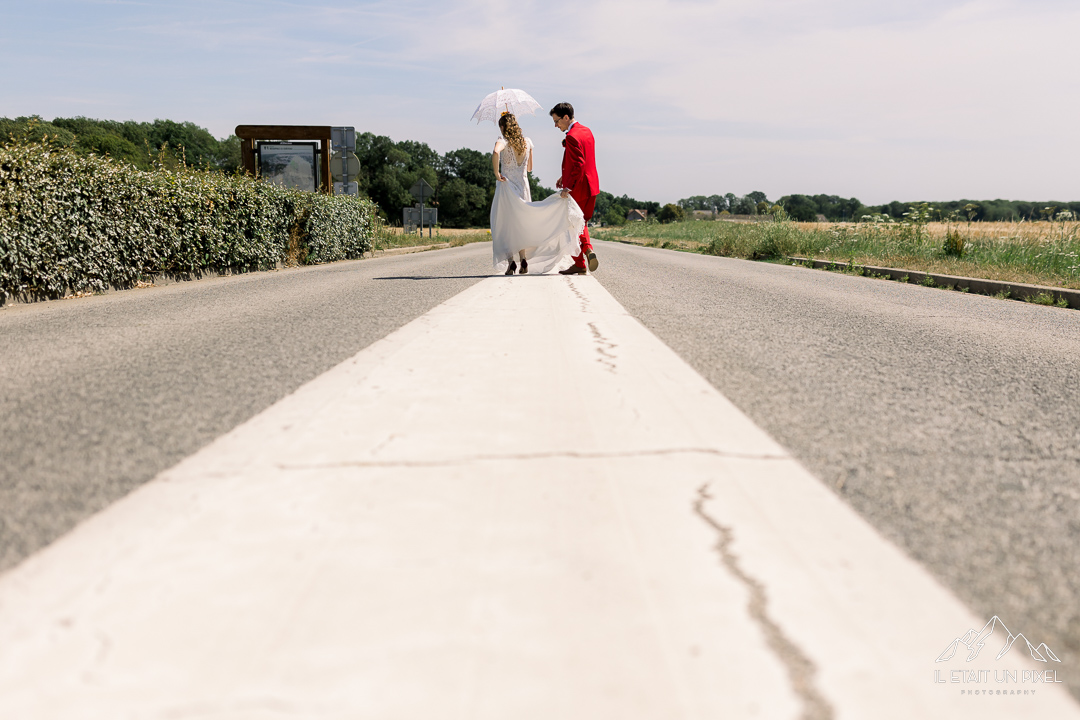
<point>228,156</point>
<point>138,144</point>
<point>799,207</point>
<point>745,205</point>
<point>670,213</point>
<point>615,215</point>
<point>462,204</point>
<point>604,201</point>
<point>472,166</point>
<point>388,171</point>
<point>420,156</point>
<point>695,202</point>
<point>33,129</point>
<point>538,191</point>
<point>710,203</point>
<point>631,204</point>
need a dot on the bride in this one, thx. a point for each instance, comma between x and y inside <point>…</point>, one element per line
<point>543,235</point>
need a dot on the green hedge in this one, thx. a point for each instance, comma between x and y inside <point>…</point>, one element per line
<point>84,224</point>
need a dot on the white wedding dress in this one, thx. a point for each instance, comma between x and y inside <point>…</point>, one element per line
<point>548,231</point>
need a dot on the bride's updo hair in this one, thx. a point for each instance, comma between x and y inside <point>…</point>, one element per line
<point>508,124</point>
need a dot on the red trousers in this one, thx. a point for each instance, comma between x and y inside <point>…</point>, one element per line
<point>587,203</point>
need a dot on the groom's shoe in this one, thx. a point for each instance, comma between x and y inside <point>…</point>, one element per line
<point>573,270</point>
<point>593,262</point>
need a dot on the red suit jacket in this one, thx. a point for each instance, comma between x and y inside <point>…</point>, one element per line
<point>579,167</point>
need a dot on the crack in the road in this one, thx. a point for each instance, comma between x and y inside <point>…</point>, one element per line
<point>580,295</point>
<point>604,348</point>
<point>566,454</point>
<point>800,669</point>
<point>604,345</point>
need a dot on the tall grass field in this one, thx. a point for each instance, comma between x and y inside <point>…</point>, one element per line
<point>1041,253</point>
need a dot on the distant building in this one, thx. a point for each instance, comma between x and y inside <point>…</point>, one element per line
<point>637,215</point>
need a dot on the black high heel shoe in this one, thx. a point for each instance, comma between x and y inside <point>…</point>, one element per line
<point>524,266</point>
<point>511,268</point>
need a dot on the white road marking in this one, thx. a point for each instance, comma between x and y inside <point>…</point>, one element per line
<point>509,508</point>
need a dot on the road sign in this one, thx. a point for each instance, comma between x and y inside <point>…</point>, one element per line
<point>343,138</point>
<point>347,188</point>
<point>411,217</point>
<point>421,190</point>
<point>344,170</point>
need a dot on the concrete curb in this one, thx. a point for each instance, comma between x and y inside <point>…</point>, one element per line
<point>1012,290</point>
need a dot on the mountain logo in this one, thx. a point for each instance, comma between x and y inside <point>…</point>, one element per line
<point>995,630</point>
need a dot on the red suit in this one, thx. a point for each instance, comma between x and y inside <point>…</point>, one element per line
<point>580,178</point>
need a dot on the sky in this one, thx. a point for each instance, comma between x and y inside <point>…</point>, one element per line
<point>914,100</point>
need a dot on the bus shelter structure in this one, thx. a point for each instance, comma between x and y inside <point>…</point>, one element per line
<point>250,134</point>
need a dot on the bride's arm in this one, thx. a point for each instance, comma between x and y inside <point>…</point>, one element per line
<point>529,169</point>
<point>495,165</point>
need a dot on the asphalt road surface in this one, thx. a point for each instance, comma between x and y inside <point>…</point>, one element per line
<point>950,421</point>
<point>99,395</point>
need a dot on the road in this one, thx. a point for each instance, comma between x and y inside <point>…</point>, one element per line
<point>948,421</point>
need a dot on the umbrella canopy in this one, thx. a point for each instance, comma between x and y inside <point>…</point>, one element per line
<point>500,101</point>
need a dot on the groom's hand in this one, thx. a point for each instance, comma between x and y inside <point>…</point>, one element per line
<point>558,183</point>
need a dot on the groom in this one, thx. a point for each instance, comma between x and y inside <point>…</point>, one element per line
<point>579,179</point>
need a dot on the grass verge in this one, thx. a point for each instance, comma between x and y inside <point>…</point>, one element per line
<point>387,238</point>
<point>1039,253</point>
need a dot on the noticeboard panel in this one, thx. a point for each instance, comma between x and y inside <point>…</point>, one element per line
<point>290,164</point>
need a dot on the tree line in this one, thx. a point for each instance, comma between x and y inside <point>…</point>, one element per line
<point>463,182</point>
<point>834,208</point>
<point>143,144</point>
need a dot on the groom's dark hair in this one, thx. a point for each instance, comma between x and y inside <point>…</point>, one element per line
<point>563,110</point>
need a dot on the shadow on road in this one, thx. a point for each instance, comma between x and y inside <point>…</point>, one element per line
<point>431,277</point>
<point>454,277</point>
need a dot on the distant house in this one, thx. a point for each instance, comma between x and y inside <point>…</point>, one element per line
<point>637,215</point>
